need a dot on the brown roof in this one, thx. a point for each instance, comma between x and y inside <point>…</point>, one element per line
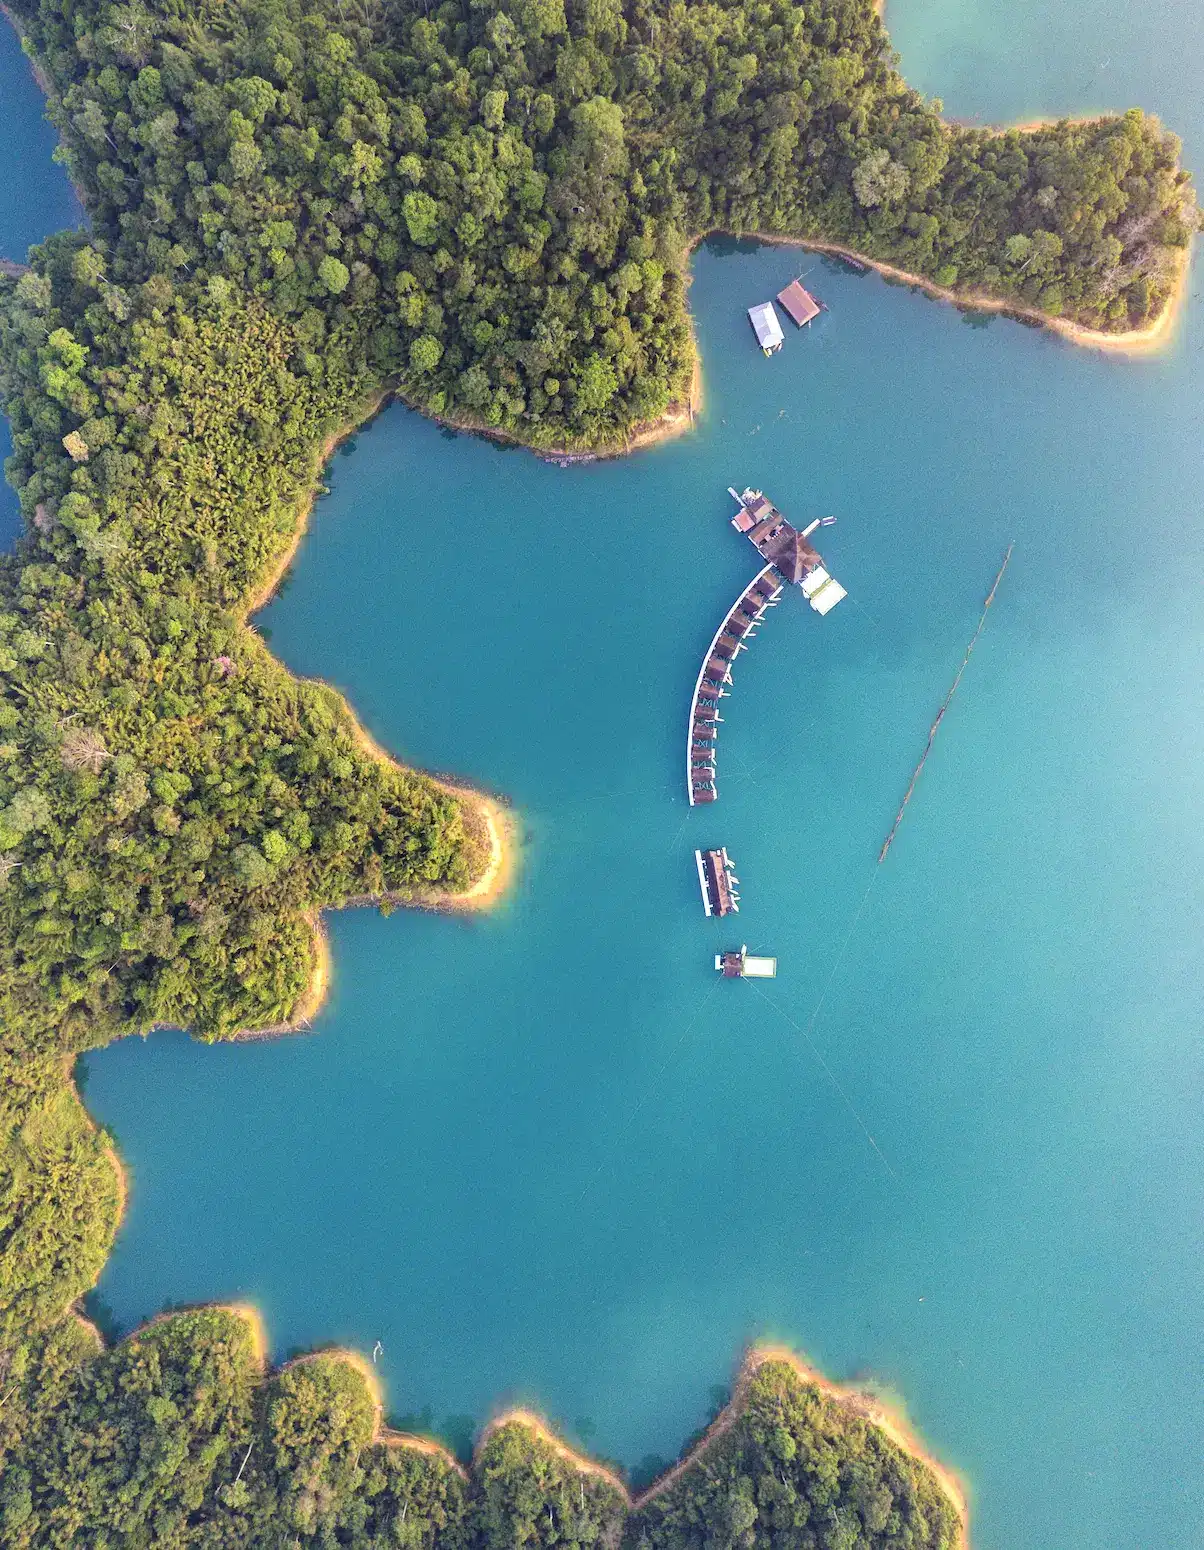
<point>799,303</point>
<point>788,551</point>
<point>766,528</point>
<point>718,884</point>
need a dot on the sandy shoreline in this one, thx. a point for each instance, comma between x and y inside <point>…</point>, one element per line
<point>498,835</point>
<point>875,1410</point>
<point>108,1151</point>
<point>676,420</point>
<point>1140,341</point>
<point>500,831</point>
<point>495,880</point>
<point>869,1406</point>
<point>519,1416</point>
<point>263,593</point>
<point>381,1434</point>
<point>247,1312</point>
<point>496,822</point>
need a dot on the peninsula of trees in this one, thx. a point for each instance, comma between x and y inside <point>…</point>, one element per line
<point>297,207</point>
<point>177,1438</point>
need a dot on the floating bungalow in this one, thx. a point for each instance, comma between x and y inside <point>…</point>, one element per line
<point>799,304</point>
<point>745,966</point>
<point>766,327</point>
<point>789,556</point>
<point>718,882</point>
<point>790,552</point>
<point>715,677</point>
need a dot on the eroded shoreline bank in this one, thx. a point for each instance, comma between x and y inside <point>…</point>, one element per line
<point>888,1417</point>
<point>854,1401</point>
<point>494,823</point>
<point>1143,341</point>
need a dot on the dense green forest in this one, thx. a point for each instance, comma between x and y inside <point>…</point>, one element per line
<point>297,207</point>
<point>175,1438</point>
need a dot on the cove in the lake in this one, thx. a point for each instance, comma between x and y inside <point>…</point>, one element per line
<point>544,1154</point>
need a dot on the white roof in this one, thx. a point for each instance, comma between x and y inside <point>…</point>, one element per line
<point>765,324</point>
<point>825,599</point>
<point>814,579</point>
<point>759,968</point>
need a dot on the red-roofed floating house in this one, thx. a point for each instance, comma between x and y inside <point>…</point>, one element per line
<point>798,303</point>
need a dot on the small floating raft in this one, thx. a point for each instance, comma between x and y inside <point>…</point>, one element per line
<point>745,966</point>
<point>766,327</point>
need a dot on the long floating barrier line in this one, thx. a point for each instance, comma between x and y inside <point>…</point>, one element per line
<point>940,715</point>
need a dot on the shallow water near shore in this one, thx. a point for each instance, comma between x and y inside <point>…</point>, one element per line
<point>545,1154</point>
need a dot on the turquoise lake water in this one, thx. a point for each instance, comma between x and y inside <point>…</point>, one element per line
<point>956,1145</point>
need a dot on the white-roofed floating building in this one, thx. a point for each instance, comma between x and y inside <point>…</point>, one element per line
<point>766,327</point>
<point>822,591</point>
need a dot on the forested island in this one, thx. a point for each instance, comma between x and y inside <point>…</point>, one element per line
<point>295,210</point>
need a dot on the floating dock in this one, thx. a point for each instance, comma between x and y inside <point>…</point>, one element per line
<point>766,327</point>
<point>715,677</point>
<point>718,881</point>
<point>790,552</point>
<point>745,966</point>
<point>797,302</point>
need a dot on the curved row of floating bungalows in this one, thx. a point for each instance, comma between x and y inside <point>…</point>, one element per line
<point>714,678</point>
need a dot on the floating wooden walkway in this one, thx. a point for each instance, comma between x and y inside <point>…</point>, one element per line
<point>715,675</point>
